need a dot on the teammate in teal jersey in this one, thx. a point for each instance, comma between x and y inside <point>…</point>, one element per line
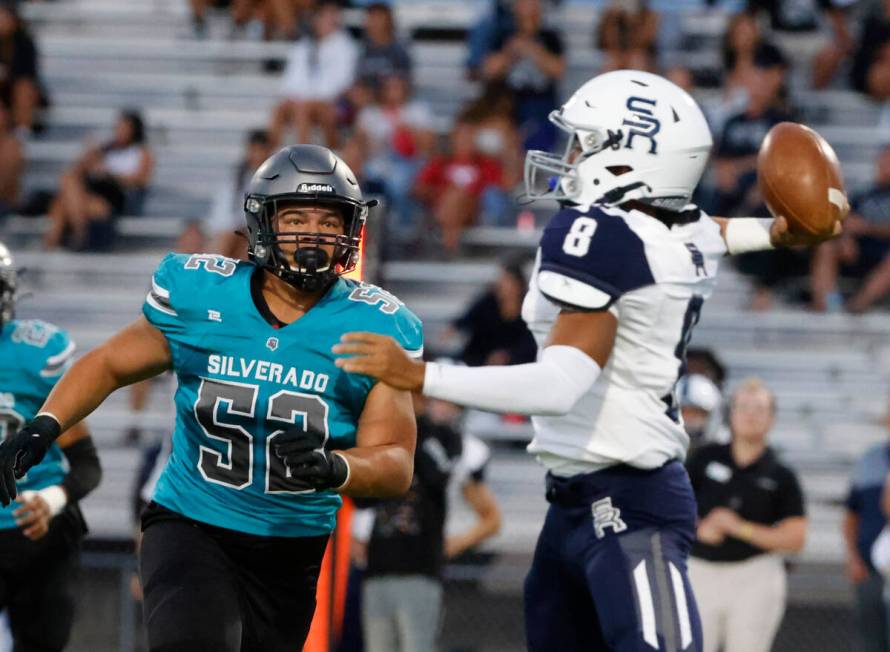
<point>39,536</point>
<point>268,430</point>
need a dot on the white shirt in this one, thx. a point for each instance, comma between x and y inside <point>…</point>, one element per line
<point>320,70</point>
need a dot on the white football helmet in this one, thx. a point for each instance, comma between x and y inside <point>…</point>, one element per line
<point>632,135</point>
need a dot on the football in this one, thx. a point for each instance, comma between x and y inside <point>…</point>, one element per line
<point>800,178</point>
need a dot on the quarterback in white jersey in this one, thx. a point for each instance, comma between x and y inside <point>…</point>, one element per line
<point>621,274</point>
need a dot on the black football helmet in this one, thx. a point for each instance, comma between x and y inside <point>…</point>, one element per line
<point>313,175</point>
<point>8,286</point>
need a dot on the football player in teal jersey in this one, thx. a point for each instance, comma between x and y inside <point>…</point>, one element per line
<point>269,431</point>
<point>39,534</point>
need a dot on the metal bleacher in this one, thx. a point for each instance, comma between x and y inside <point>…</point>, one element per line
<point>201,96</point>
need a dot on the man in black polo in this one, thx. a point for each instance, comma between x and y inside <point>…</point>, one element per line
<point>751,511</point>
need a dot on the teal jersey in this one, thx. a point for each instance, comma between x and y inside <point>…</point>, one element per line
<point>243,382</point>
<point>33,356</point>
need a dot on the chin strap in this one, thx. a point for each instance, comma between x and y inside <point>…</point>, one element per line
<point>619,195</point>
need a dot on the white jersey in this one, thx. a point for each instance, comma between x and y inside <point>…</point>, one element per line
<point>654,279</point>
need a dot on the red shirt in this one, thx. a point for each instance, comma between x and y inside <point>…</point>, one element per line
<point>474,175</point>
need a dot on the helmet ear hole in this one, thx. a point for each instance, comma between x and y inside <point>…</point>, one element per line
<point>618,170</point>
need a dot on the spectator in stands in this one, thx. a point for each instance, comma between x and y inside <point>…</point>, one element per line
<point>227,212</point>
<point>398,137</point>
<point>20,89</point>
<point>740,42</point>
<point>12,165</point>
<point>840,46</point>
<point>530,59</point>
<point>497,136</point>
<point>105,182</point>
<point>863,521</point>
<point>700,402</point>
<point>871,63</point>
<point>382,54</point>
<point>407,547</point>
<point>496,20</point>
<point>705,362</point>
<point>751,512</point>
<point>492,325</point>
<point>452,185</point>
<point>861,252</point>
<point>626,34</point>
<point>320,69</point>
<point>736,153</point>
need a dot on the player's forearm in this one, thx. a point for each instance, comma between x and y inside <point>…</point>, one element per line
<point>850,529</point>
<point>378,471</point>
<point>549,387</point>
<point>788,535</point>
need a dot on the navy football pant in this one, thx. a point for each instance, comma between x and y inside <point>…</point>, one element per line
<point>609,571</point>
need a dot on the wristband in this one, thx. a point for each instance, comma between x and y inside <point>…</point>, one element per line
<point>744,234</point>
<point>54,496</point>
<point>343,459</point>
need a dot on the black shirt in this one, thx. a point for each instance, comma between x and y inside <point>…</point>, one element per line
<point>487,331</point>
<point>743,134</point>
<point>764,492</point>
<point>380,61</point>
<point>524,78</point>
<point>18,60</point>
<point>408,533</point>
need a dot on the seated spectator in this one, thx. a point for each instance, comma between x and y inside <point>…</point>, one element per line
<point>104,183</point>
<point>861,252</point>
<point>495,21</point>
<point>530,60</point>
<point>320,69</point>
<point>740,42</point>
<point>382,55</point>
<point>452,185</point>
<point>221,231</point>
<point>700,402</point>
<point>841,44</point>
<point>497,134</point>
<point>20,89</point>
<point>736,152</point>
<point>870,72</point>
<point>494,331</point>
<point>12,165</point>
<point>398,137</point>
<point>626,34</point>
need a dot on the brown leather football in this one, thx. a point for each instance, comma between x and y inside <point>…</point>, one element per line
<point>800,178</point>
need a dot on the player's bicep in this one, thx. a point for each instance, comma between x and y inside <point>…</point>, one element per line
<point>387,419</point>
<point>137,352</point>
<point>592,333</point>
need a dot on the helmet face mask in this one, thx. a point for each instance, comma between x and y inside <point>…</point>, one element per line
<point>8,286</point>
<point>305,176</point>
<point>308,260</point>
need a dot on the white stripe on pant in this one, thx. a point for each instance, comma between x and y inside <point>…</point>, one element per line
<point>741,603</point>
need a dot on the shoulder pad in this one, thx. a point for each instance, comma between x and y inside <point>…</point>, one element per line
<point>53,347</point>
<point>388,315</point>
<point>588,260</point>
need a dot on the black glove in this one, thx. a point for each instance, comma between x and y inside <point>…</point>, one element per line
<point>311,467</point>
<point>23,450</point>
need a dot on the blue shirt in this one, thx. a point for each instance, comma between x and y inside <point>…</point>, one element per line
<point>33,356</point>
<point>243,382</point>
<point>864,499</point>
